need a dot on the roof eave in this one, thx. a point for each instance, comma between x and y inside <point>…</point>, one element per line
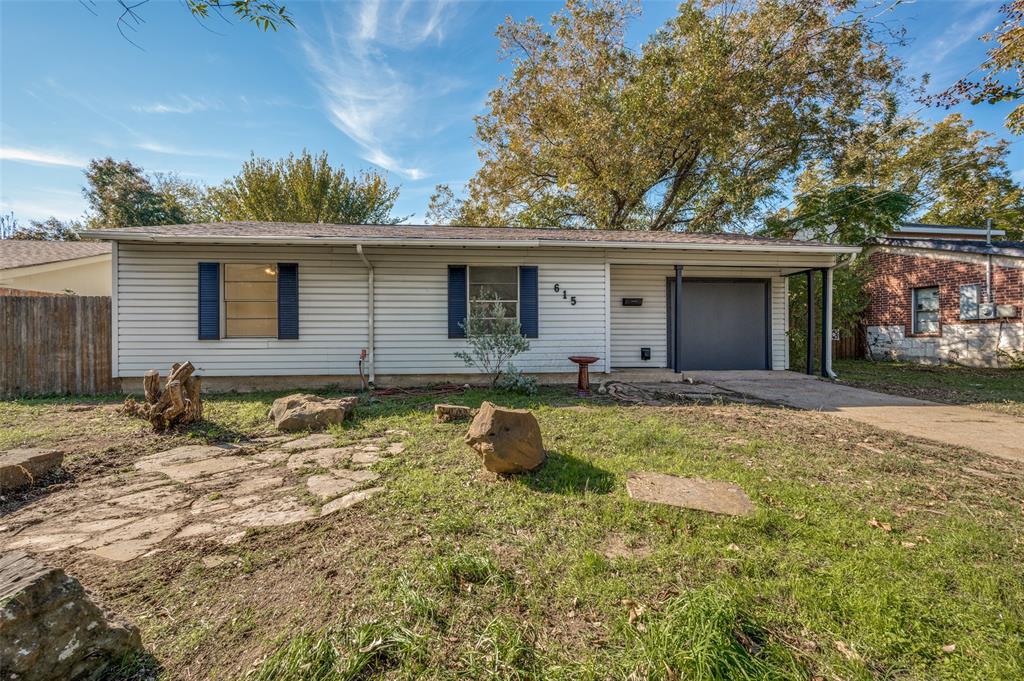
<point>119,235</point>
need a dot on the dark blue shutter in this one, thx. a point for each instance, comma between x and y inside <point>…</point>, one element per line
<point>529,320</point>
<point>457,301</point>
<point>287,300</point>
<point>209,301</point>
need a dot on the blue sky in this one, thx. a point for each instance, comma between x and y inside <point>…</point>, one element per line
<point>391,85</point>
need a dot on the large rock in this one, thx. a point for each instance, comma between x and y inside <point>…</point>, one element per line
<point>508,439</point>
<point>310,412</point>
<point>23,467</point>
<point>50,629</point>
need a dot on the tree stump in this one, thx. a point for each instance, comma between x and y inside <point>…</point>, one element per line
<point>179,402</point>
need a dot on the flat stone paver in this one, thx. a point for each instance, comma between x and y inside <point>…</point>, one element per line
<point>990,433</point>
<point>309,442</point>
<point>214,492</point>
<point>349,500</point>
<point>23,467</point>
<point>702,495</point>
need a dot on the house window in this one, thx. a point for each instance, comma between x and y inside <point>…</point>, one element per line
<point>969,300</point>
<point>490,286</point>
<point>926,310</point>
<point>250,300</point>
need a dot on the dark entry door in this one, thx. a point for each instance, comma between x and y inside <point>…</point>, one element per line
<point>725,324</point>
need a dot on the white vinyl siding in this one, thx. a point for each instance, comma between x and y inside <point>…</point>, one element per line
<point>157,306</point>
<point>644,326</point>
<point>412,307</point>
<point>157,312</point>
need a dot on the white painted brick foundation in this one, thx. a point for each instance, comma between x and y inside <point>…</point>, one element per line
<point>975,345</point>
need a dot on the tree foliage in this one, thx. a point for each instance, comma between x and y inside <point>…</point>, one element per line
<point>1002,73</point>
<point>121,195</point>
<point>50,229</point>
<point>305,188</point>
<point>692,130</point>
<point>952,174</point>
<point>266,15</point>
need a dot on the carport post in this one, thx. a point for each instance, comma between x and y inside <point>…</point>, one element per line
<point>677,328</point>
<point>826,322</point>
<point>810,322</point>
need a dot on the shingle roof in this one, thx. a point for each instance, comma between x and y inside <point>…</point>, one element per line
<point>1013,249</point>
<point>17,253</point>
<point>410,234</point>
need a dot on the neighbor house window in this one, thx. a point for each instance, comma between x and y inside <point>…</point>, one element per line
<point>250,300</point>
<point>490,286</point>
<point>926,310</point>
<point>969,300</point>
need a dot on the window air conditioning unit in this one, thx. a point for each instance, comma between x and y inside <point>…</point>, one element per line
<point>987,311</point>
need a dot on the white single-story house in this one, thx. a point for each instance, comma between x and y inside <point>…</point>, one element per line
<point>76,267</point>
<point>280,304</point>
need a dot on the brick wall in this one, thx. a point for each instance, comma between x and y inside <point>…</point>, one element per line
<point>895,275</point>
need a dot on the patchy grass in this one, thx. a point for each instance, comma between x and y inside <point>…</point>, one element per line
<point>903,564</point>
<point>999,390</point>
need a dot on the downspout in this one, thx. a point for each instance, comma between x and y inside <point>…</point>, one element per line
<point>369,313</point>
<point>988,261</point>
<point>827,276</point>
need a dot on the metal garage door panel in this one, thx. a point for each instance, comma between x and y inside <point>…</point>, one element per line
<point>725,325</point>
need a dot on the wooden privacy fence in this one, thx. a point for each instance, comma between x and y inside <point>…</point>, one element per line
<point>55,345</point>
<point>847,345</point>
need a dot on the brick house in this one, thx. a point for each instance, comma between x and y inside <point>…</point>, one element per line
<point>945,294</point>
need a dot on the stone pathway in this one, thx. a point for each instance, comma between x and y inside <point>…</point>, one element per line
<point>215,492</point>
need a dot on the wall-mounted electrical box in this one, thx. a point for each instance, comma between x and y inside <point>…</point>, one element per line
<point>632,302</point>
<point>1004,311</point>
<point>987,311</point>
<point>645,354</point>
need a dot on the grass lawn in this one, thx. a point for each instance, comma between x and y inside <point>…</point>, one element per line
<point>870,555</point>
<point>993,389</point>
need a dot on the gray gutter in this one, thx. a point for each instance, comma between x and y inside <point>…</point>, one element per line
<point>117,235</point>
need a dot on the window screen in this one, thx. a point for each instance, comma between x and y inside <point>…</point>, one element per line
<point>490,287</point>
<point>969,300</point>
<point>926,310</point>
<point>250,300</point>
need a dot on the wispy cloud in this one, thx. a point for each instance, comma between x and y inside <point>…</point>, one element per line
<point>971,21</point>
<point>365,96</point>
<point>41,157</point>
<point>172,150</point>
<point>182,104</point>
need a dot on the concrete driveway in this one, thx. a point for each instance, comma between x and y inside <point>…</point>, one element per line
<point>987,432</point>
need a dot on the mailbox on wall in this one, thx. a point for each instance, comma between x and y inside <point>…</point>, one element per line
<point>632,302</point>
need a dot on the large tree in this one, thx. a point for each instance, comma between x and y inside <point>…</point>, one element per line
<point>949,172</point>
<point>694,129</point>
<point>121,195</point>
<point>304,188</point>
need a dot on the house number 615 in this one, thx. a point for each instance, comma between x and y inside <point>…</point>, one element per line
<point>565,295</point>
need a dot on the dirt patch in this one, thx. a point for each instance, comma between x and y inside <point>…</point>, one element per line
<point>620,546</point>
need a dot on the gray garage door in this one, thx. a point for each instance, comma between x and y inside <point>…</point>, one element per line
<point>725,324</point>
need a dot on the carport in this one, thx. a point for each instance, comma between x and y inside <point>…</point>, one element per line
<point>704,314</point>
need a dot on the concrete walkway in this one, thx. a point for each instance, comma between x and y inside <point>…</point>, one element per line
<point>987,432</point>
